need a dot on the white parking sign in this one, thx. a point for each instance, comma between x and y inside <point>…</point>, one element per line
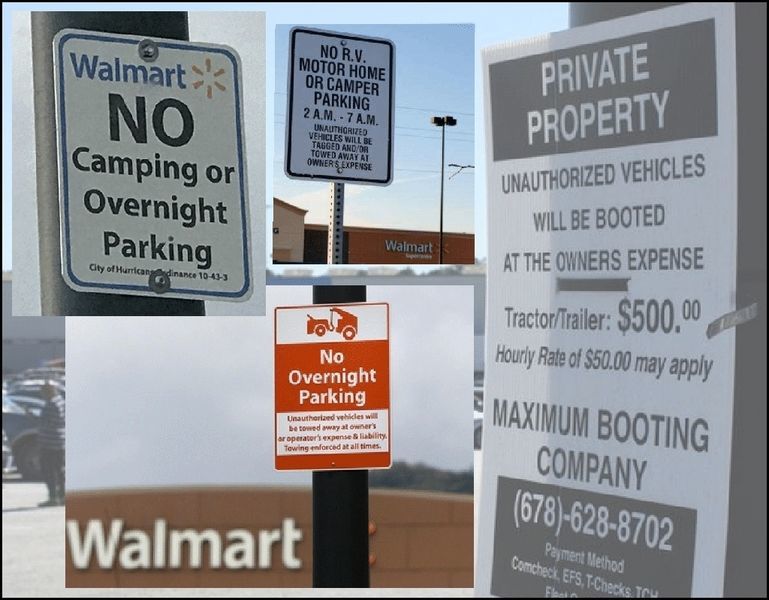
<point>152,167</point>
<point>341,91</point>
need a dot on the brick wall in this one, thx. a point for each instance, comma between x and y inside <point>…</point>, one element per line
<point>422,539</point>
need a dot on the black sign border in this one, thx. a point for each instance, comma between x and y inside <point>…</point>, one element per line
<point>289,112</point>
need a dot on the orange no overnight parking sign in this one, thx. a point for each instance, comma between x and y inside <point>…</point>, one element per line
<point>332,387</point>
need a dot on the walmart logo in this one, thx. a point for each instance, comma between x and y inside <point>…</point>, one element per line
<point>118,71</point>
<point>208,79</point>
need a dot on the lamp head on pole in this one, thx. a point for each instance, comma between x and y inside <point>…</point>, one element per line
<point>443,121</point>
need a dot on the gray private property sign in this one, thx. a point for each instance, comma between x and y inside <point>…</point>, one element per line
<point>568,109</point>
<point>339,116</point>
<point>612,192</point>
<point>152,167</point>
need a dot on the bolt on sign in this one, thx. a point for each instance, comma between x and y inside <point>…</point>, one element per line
<point>332,387</point>
<point>607,427</point>
<point>152,167</point>
<point>341,92</point>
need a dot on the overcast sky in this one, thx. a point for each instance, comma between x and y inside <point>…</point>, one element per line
<point>189,401</point>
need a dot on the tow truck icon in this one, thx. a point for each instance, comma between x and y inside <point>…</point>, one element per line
<point>339,321</point>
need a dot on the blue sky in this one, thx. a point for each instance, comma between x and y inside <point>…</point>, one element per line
<point>494,23</point>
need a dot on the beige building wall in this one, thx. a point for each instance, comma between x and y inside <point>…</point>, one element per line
<point>287,232</point>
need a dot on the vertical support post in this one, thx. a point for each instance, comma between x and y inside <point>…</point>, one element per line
<point>339,499</point>
<point>443,160</point>
<point>57,298</point>
<point>746,538</point>
<point>745,569</point>
<point>335,252</point>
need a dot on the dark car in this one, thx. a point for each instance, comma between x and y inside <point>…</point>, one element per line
<point>21,419</point>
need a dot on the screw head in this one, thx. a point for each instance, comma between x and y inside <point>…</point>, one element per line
<point>148,50</point>
<point>159,281</point>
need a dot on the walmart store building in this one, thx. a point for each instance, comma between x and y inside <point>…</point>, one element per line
<point>294,241</point>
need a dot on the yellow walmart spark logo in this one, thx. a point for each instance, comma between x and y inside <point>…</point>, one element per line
<point>208,79</point>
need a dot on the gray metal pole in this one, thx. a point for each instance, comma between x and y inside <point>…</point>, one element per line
<point>443,160</point>
<point>339,498</point>
<point>56,297</point>
<point>746,542</point>
<point>335,246</point>
<point>746,539</point>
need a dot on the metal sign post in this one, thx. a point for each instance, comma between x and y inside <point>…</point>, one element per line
<point>335,252</point>
<point>340,499</point>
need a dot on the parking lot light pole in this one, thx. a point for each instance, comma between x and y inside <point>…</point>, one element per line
<point>442,122</point>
